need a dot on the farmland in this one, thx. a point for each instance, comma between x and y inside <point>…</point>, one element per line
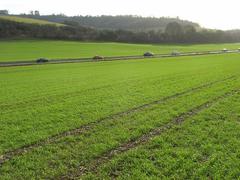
<point>28,20</point>
<point>172,118</point>
<point>22,50</point>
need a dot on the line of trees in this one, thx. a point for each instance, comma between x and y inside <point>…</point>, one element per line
<point>174,33</point>
<point>4,12</point>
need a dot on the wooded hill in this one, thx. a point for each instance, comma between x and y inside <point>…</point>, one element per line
<point>129,23</point>
<point>174,32</point>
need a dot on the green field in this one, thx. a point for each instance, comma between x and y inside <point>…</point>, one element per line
<point>31,50</point>
<point>175,118</point>
<point>28,20</point>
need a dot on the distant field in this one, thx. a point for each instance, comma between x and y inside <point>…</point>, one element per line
<point>30,50</point>
<point>176,118</point>
<point>28,20</point>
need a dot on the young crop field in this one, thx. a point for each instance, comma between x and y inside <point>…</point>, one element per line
<point>22,50</point>
<point>28,20</point>
<point>175,118</point>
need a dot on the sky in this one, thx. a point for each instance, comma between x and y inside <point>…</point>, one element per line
<point>216,14</point>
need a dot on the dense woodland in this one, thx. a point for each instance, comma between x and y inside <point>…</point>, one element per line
<point>173,32</point>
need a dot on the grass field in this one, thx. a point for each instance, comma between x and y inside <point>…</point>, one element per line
<point>31,50</point>
<point>28,20</point>
<point>175,118</point>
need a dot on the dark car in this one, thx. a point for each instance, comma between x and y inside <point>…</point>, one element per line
<point>98,58</point>
<point>148,54</point>
<point>42,60</point>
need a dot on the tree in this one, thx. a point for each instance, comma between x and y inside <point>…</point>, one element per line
<point>174,29</point>
<point>36,13</point>
<point>189,29</point>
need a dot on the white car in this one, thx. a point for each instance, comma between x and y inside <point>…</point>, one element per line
<point>224,50</point>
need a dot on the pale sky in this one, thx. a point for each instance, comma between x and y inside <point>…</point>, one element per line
<point>217,14</point>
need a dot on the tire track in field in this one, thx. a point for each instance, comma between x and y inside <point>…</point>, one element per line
<point>84,128</point>
<point>145,138</point>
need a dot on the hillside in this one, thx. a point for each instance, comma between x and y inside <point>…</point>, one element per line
<point>128,29</point>
<point>131,23</point>
<point>28,20</point>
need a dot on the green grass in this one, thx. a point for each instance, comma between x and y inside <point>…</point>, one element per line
<point>28,20</point>
<point>37,102</point>
<point>31,50</point>
<point>205,146</point>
